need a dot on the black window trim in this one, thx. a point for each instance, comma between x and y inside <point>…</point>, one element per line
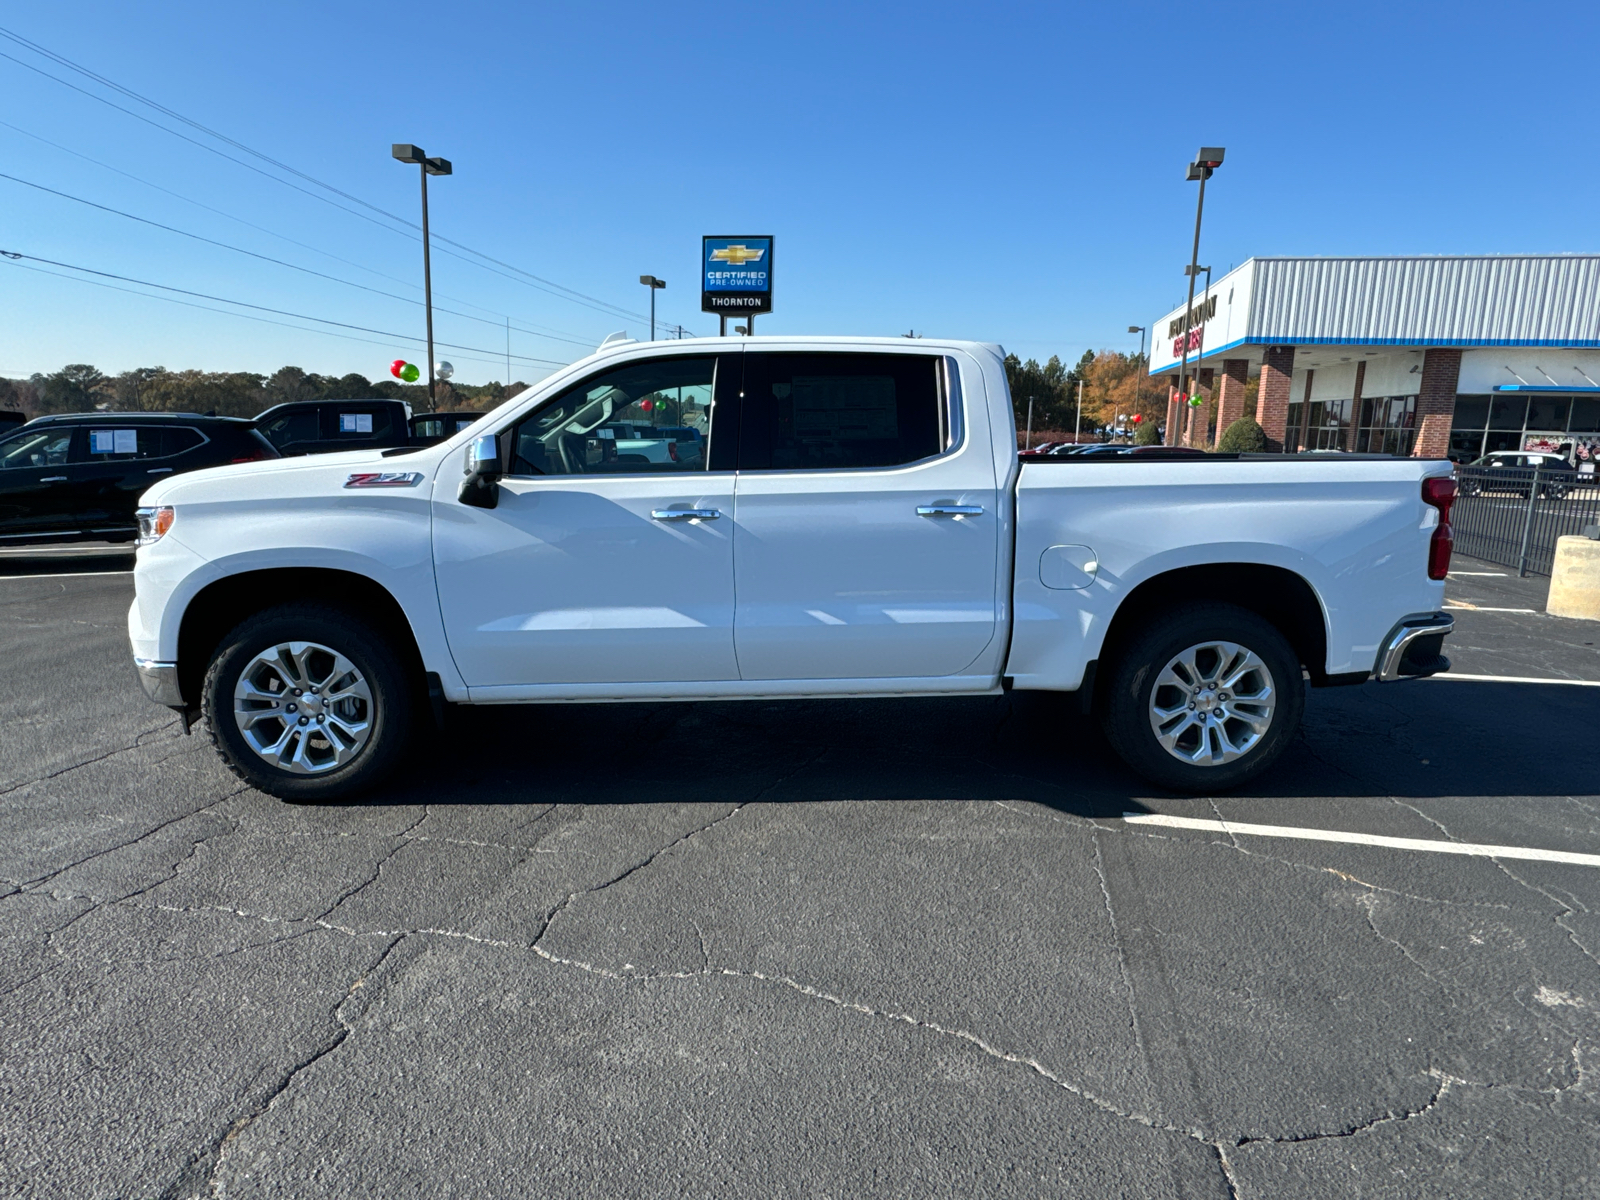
<point>88,425</point>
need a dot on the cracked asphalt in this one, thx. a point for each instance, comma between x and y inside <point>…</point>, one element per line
<point>804,949</point>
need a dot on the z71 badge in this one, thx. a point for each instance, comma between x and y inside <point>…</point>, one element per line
<point>384,479</point>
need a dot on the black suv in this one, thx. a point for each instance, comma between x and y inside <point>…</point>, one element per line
<point>325,426</point>
<point>79,476</point>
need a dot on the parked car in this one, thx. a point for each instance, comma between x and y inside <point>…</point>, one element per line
<point>1511,472</point>
<point>10,419</point>
<point>428,428</point>
<point>78,477</point>
<point>884,540</point>
<point>326,426</point>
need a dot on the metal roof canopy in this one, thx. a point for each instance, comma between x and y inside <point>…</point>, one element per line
<point>1444,300</point>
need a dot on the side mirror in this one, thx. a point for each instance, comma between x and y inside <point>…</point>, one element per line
<point>481,487</point>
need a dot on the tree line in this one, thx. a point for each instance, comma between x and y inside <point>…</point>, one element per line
<point>80,387</point>
<point>1114,384</point>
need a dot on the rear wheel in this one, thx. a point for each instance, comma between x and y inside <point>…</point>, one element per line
<point>1204,699</point>
<point>305,704</point>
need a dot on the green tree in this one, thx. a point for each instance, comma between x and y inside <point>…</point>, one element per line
<point>77,387</point>
<point>1147,434</point>
<point>132,389</point>
<point>288,384</point>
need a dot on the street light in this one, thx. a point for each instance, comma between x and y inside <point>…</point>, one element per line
<point>1208,160</point>
<point>655,285</point>
<point>1138,373</point>
<point>407,153</point>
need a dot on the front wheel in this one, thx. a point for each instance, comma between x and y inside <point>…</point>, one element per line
<point>1204,699</point>
<point>305,704</point>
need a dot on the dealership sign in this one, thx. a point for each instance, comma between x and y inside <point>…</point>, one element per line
<point>736,275</point>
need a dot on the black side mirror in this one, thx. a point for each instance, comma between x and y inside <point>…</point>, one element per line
<point>481,487</point>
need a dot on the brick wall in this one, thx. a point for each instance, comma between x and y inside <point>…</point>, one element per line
<point>1272,399</point>
<point>1436,402</point>
<point>1230,392</point>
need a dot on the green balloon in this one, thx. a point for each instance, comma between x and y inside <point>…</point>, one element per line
<point>410,373</point>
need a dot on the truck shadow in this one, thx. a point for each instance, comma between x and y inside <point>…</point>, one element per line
<point>1433,738</point>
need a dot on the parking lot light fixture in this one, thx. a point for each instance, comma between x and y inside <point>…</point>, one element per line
<point>655,285</point>
<point>407,153</point>
<point>1205,162</point>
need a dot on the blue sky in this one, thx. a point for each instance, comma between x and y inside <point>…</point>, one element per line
<point>1004,172</point>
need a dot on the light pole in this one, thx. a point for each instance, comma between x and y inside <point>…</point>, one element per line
<point>1138,372</point>
<point>655,285</point>
<point>1208,160</point>
<point>430,166</point>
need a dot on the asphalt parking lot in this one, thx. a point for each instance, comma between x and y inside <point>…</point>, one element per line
<point>806,949</point>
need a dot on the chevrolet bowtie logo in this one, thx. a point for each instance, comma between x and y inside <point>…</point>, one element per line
<point>737,255</point>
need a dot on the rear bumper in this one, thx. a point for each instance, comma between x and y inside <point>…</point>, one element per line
<point>160,681</point>
<point>1413,649</point>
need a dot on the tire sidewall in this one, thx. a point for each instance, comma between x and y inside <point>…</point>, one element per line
<point>1127,720</point>
<point>371,655</point>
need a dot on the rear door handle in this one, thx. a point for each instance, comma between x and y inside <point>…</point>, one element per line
<point>949,510</point>
<point>54,479</point>
<point>158,470</point>
<point>684,514</point>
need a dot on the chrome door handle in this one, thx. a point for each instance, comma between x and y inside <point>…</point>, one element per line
<point>949,510</point>
<point>54,479</point>
<point>684,514</point>
<point>158,470</point>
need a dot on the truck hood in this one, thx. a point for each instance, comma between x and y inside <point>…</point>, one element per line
<point>306,475</point>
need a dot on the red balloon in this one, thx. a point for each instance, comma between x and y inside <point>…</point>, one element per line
<point>1137,417</point>
<point>396,367</point>
<point>647,405</point>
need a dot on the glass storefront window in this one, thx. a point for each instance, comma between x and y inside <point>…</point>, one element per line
<point>1507,412</point>
<point>1548,412</point>
<point>1585,415</point>
<point>1388,425</point>
<point>1472,412</point>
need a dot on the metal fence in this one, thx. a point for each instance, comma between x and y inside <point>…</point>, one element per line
<point>1513,515</point>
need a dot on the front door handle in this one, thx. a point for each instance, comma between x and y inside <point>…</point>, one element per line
<point>54,479</point>
<point>158,470</point>
<point>949,510</point>
<point>684,514</point>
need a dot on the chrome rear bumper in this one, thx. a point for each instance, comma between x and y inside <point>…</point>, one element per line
<point>1413,648</point>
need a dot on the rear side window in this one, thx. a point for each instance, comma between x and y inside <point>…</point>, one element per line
<point>839,411</point>
<point>359,423</point>
<point>179,440</point>
<point>109,444</point>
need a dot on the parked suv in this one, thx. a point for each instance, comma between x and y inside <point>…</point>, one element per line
<point>325,426</point>
<point>79,476</point>
<point>1511,472</point>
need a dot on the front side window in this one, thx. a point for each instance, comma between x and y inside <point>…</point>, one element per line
<point>840,411</point>
<point>36,448</point>
<point>646,417</point>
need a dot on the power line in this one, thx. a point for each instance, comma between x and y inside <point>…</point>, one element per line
<point>16,255</point>
<point>268,258</point>
<point>560,290</point>
<point>349,262</point>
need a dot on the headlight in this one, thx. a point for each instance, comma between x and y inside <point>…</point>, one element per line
<point>154,523</point>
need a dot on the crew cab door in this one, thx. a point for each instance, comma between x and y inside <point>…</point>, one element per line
<point>597,566</point>
<point>867,519</point>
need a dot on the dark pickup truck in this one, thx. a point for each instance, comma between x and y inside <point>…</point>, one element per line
<point>325,426</point>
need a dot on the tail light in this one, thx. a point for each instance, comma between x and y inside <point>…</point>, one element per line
<point>672,451</point>
<point>256,457</point>
<point>1441,493</point>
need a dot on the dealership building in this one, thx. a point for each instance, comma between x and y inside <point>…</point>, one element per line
<point>1425,356</point>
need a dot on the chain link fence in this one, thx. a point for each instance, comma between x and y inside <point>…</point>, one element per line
<point>1512,516</point>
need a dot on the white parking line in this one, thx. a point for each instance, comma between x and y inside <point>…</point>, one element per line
<point>1514,679</point>
<point>68,575</point>
<point>1429,845</point>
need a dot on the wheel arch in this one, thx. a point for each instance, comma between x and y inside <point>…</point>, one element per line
<point>1278,595</point>
<point>221,605</point>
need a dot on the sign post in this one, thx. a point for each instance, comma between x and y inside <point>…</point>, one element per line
<point>736,278</point>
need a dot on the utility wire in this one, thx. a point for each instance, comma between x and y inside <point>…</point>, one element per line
<point>349,262</point>
<point>22,266</point>
<point>561,290</point>
<point>268,258</point>
<point>16,255</point>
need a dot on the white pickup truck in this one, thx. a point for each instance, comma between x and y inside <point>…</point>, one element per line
<point>859,524</point>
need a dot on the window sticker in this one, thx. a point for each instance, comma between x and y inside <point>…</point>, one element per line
<point>113,441</point>
<point>355,422</point>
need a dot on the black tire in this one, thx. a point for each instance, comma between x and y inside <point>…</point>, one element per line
<point>1131,692</point>
<point>386,714</point>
